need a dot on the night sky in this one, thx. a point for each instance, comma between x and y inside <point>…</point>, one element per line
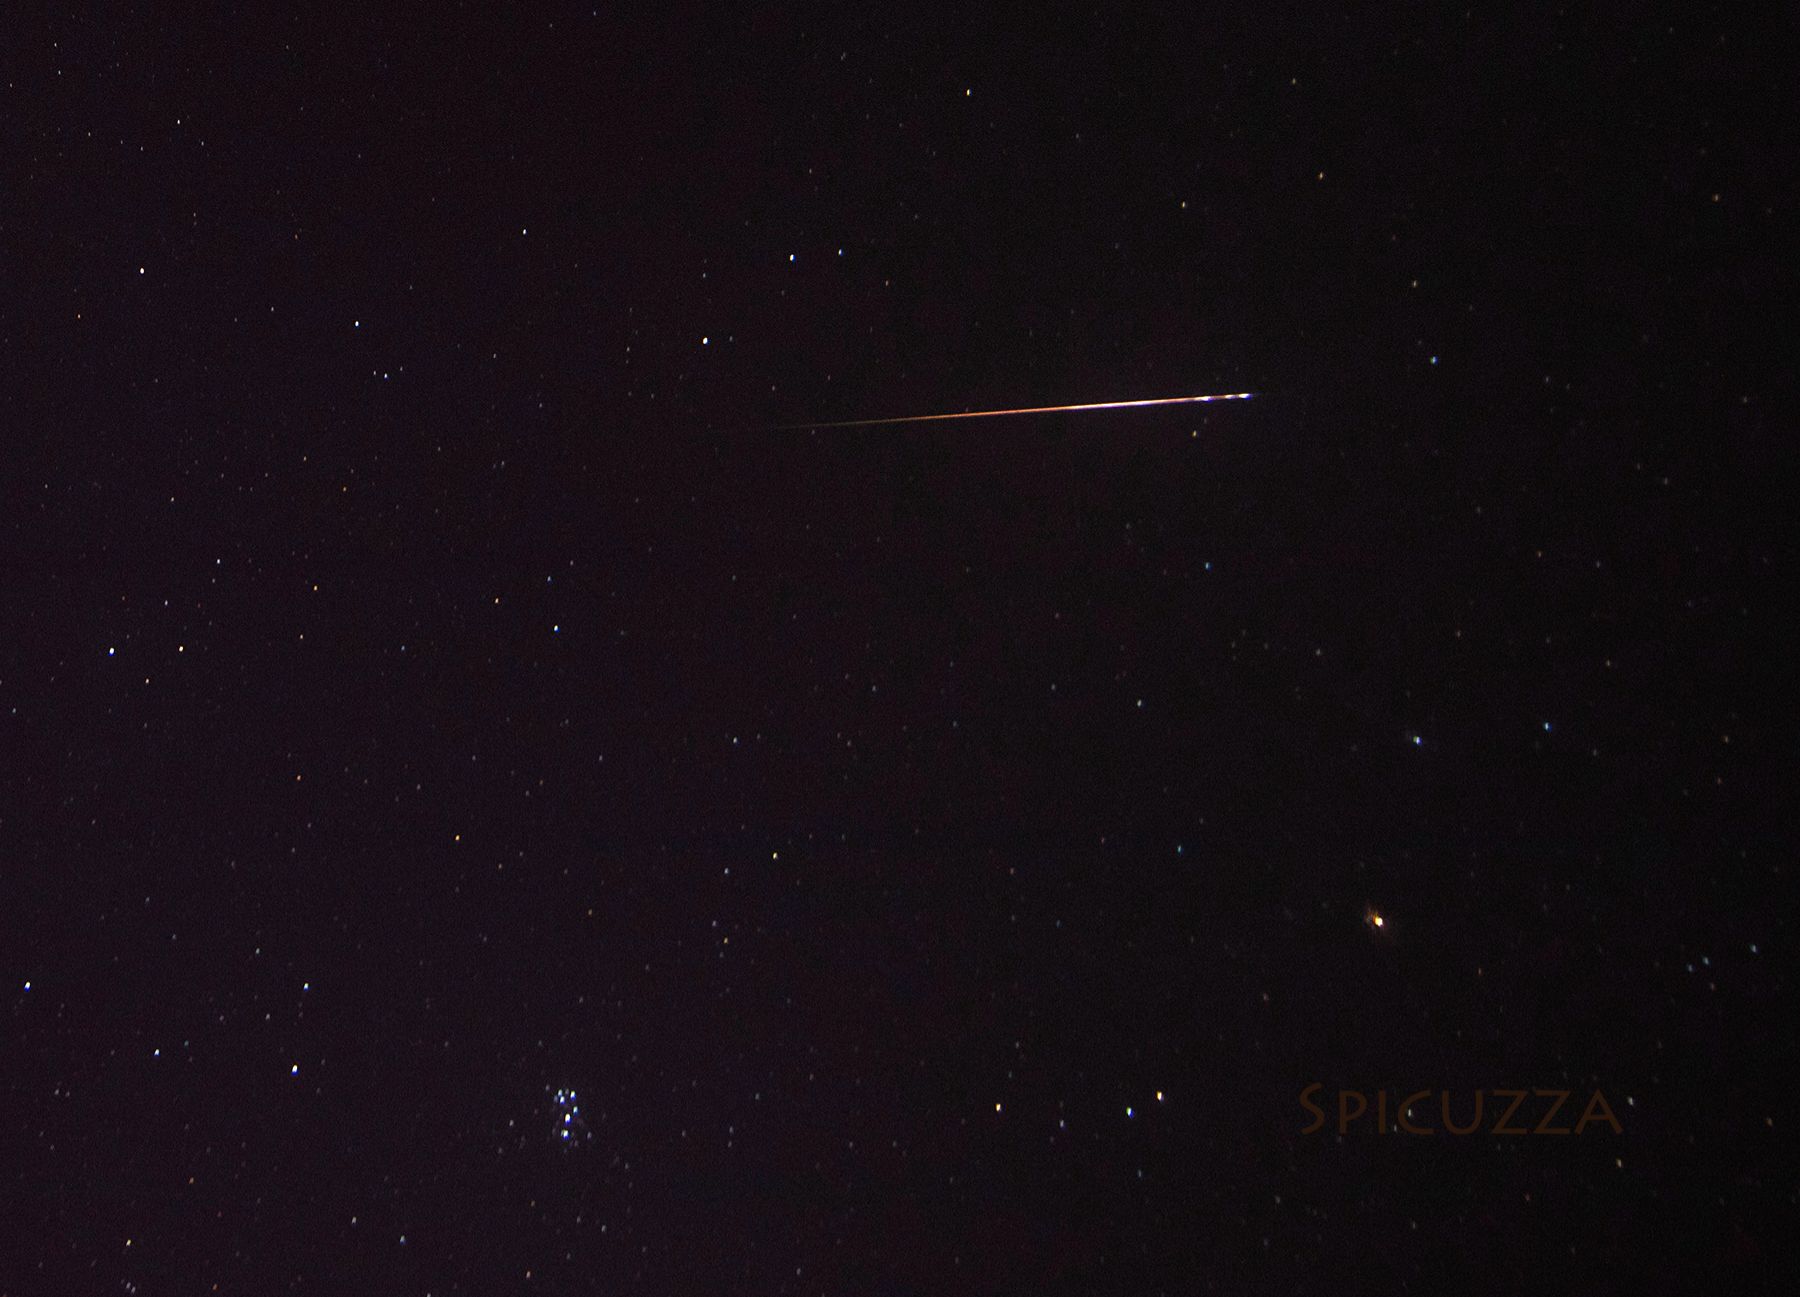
<point>486,806</point>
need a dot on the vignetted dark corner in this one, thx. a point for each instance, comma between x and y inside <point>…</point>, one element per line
<point>511,780</point>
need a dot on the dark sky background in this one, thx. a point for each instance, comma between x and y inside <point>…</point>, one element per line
<point>935,856</point>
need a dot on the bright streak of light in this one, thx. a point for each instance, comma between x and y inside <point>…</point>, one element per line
<point>1034,409</point>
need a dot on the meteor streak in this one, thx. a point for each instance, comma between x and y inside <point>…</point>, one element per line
<point>1034,409</point>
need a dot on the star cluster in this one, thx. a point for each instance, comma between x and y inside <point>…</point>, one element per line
<point>571,1128</point>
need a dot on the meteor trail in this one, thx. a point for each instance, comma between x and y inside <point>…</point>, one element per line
<point>1034,409</point>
